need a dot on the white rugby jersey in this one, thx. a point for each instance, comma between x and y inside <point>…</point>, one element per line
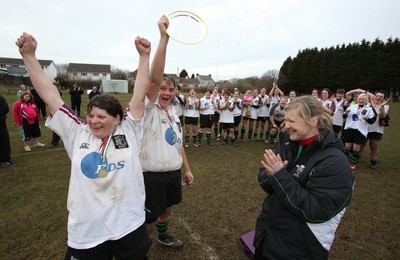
<point>264,109</point>
<point>376,127</point>
<point>237,109</point>
<point>190,110</point>
<point>101,208</point>
<point>254,111</point>
<point>337,117</point>
<point>162,140</point>
<point>226,115</point>
<point>274,100</point>
<point>217,99</point>
<point>179,108</point>
<point>329,104</point>
<point>355,120</point>
<point>206,102</point>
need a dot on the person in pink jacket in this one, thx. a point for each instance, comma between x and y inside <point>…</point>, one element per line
<point>27,117</point>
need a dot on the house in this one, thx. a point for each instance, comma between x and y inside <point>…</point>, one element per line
<point>205,81</point>
<point>94,72</point>
<point>16,67</point>
<point>188,83</point>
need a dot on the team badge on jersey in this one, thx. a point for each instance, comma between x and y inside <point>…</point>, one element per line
<point>120,141</point>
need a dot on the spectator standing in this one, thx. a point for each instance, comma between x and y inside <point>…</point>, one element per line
<point>76,98</point>
<point>27,118</point>
<point>5,148</point>
<point>94,92</point>
<point>309,185</point>
<point>22,89</point>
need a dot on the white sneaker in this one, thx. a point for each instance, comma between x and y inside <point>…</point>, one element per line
<point>39,145</point>
<point>27,149</point>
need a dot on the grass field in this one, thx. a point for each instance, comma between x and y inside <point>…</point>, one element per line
<point>221,205</point>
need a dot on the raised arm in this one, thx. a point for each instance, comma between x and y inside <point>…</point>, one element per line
<point>158,63</point>
<point>136,106</point>
<point>27,45</point>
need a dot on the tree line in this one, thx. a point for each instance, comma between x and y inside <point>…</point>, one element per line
<point>369,65</point>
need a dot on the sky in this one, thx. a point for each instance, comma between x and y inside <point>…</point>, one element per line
<point>245,38</point>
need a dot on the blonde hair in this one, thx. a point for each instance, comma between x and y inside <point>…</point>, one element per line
<point>309,107</point>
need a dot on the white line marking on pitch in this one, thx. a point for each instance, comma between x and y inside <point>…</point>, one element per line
<point>197,239</point>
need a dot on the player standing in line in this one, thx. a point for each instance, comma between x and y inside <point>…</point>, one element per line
<point>263,115</point>
<point>359,116</point>
<point>340,105</point>
<point>191,117</point>
<point>327,103</point>
<point>226,106</point>
<point>216,97</point>
<point>255,106</point>
<point>207,107</point>
<point>179,103</point>
<point>237,113</point>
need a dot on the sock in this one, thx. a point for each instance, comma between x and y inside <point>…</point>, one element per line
<point>199,137</point>
<point>250,134</point>
<point>208,137</point>
<point>194,138</point>
<point>216,131</point>
<point>162,227</point>
<point>347,152</point>
<point>242,131</point>
<point>186,139</point>
<point>272,138</point>
<point>233,139</point>
<point>261,135</point>
<point>372,162</point>
<point>266,136</point>
<point>236,132</point>
<point>356,157</point>
<point>255,136</point>
<point>224,138</point>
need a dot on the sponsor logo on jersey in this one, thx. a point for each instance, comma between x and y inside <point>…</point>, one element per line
<point>92,163</point>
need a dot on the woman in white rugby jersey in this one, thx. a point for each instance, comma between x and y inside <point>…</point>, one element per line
<point>106,197</point>
<point>359,116</point>
<point>375,130</point>
<point>191,117</point>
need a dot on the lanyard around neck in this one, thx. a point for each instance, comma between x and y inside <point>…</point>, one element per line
<point>104,148</point>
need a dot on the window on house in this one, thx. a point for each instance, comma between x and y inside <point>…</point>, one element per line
<point>83,74</point>
<point>96,74</point>
<point>75,74</point>
<point>105,74</point>
<point>2,65</point>
<point>15,66</point>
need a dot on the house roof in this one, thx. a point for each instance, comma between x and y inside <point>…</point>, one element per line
<point>93,68</point>
<point>205,77</point>
<point>188,81</point>
<point>173,76</point>
<point>13,61</point>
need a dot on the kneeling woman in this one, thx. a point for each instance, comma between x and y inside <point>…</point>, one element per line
<point>309,184</point>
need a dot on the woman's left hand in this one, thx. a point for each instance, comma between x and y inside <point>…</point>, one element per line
<point>272,162</point>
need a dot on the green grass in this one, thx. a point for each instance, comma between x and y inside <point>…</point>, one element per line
<point>222,204</point>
